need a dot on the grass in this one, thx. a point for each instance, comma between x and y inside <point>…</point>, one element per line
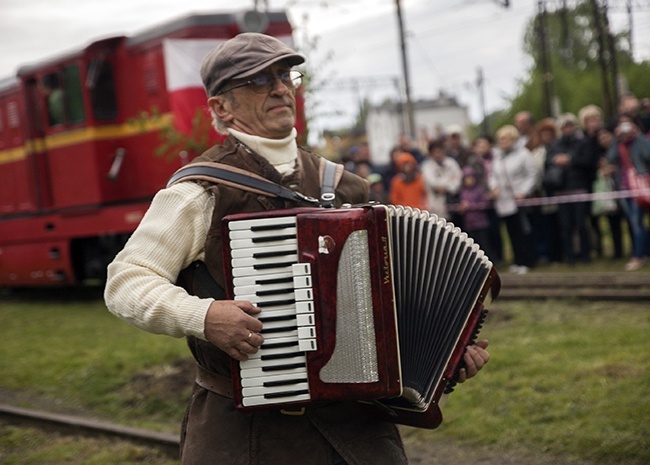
<point>567,378</point>
<point>82,356</point>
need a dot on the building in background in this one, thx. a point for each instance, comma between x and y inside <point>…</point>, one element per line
<point>385,123</point>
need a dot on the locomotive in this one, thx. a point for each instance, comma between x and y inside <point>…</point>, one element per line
<point>88,138</point>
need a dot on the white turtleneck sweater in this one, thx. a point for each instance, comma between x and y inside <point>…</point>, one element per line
<point>140,288</point>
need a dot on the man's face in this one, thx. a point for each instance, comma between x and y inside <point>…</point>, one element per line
<point>270,114</point>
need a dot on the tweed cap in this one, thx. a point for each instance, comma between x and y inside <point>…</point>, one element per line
<point>243,56</point>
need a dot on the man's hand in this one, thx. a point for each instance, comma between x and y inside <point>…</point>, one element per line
<point>230,326</point>
<point>475,358</point>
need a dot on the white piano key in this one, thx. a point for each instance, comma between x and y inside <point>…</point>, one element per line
<point>302,281</point>
<point>248,243</point>
<point>276,312</point>
<point>260,278</point>
<point>306,319</point>
<point>289,246</point>
<point>251,290</point>
<point>250,271</point>
<point>261,390</point>
<point>305,307</point>
<point>248,224</point>
<point>301,269</point>
<point>288,235</point>
<point>253,261</point>
<point>261,400</point>
<point>259,372</point>
<point>307,345</point>
<point>306,332</point>
<point>280,334</point>
<point>304,294</point>
<point>294,349</point>
<point>259,363</point>
<point>294,375</point>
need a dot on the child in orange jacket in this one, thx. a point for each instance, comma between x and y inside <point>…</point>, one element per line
<point>407,187</point>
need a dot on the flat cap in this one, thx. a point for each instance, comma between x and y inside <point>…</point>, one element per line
<point>243,56</point>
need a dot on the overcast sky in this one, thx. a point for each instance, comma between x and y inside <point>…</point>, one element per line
<point>358,41</point>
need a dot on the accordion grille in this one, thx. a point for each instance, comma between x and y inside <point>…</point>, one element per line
<point>354,359</point>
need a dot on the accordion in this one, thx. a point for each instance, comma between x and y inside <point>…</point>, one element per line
<point>373,303</point>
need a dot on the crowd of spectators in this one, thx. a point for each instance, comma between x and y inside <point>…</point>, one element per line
<point>533,181</point>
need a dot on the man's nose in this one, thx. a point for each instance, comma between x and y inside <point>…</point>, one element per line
<point>279,86</point>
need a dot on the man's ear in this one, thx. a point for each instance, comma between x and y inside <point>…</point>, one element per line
<point>221,107</point>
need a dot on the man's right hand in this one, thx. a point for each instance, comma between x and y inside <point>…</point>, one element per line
<point>230,326</point>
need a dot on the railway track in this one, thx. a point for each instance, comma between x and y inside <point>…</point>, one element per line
<point>75,425</point>
<point>615,286</point>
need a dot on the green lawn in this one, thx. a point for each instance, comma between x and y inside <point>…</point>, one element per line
<point>566,378</point>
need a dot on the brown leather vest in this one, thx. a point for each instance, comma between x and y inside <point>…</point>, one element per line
<point>228,200</point>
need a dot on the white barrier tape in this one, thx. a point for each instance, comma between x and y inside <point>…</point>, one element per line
<point>565,198</point>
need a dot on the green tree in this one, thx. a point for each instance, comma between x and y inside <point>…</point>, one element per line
<point>584,64</point>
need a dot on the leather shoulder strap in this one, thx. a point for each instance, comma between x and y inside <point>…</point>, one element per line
<point>330,175</point>
<point>235,177</point>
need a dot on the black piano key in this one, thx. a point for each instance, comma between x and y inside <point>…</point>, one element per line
<point>277,395</point>
<point>278,345</point>
<point>278,330</point>
<point>276,303</point>
<point>280,253</point>
<point>281,356</point>
<point>288,366</point>
<point>271,227</point>
<point>267,266</point>
<point>274,292</point>
<point>263,282</point>
<point>281,237</point>
<point>284,382</point>
<point>270,319</point>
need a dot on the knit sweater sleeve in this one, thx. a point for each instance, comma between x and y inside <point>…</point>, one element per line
<point>140,287</point>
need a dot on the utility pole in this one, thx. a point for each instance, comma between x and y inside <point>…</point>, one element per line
<point>410,118</point>
<point>547,76</point>
<point>480,84</point>
<point>600,38</point>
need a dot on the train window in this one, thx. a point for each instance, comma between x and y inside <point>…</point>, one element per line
<point>73,94</point>
<point>53,92</point>
<point>101,83</point>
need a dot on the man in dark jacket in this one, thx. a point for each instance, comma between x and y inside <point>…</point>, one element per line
<point>251,89</point>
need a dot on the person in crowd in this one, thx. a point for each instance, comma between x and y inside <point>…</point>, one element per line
<point>389,170</point>
<point>454,145</point>
<point>407,187</point>
<point>406,144</point>
<point>525,124</point>
<point>251,91</point>
<point>473,207</point>
<point>544,217</point>
<point>442,177</point>
<point>615,217</point>
<point>378,192</point>
<point>482,150</point>
<point>631,149</point>
<point>577,170</point>
<point>590,118</point>
<point>512,179</point>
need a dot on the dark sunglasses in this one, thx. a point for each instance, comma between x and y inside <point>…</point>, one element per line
<point>264,82</point>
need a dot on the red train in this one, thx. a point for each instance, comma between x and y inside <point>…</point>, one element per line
<point>80,143</point>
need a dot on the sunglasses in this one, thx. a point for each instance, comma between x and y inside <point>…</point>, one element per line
<point>264,82</point>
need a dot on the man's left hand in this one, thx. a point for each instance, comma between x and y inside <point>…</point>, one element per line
<point>475,358</point>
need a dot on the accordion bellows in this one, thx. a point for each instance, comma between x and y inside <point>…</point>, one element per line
<point>372,303</point>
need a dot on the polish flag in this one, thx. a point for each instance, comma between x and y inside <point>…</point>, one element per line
<point>183,58</point>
